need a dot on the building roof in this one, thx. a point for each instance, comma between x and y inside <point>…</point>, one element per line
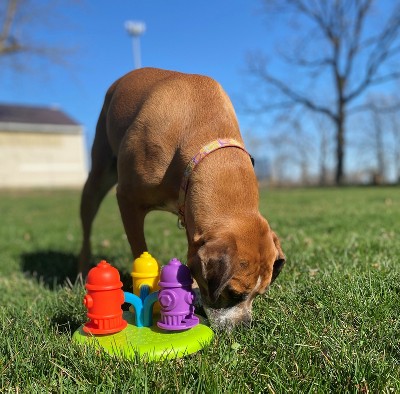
<point>34,115</point>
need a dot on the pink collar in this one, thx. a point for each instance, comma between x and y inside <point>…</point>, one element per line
<point>204,151</point>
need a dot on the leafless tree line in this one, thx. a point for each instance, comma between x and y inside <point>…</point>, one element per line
<point>336,53</point>
<point>303,147</point>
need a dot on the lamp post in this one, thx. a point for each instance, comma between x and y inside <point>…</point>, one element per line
<point>135,29</point>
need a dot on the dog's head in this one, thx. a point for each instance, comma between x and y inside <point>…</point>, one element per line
<point>234,265</point>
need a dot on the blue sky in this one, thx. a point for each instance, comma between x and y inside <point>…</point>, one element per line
<point>210,37</point>
<point>206,37</point>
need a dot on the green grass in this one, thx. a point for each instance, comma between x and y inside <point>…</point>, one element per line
<point>330,323</point>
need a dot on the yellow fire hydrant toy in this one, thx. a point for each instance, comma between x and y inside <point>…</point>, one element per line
<point>146,271</point>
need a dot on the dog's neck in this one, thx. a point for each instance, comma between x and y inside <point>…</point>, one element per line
<point>206,150</point>
<point>223,177</point>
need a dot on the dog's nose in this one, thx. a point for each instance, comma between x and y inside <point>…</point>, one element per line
<point>245,320</point>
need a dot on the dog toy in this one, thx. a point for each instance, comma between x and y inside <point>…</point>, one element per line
<point>177,331</point>
<point>145,272</point>
<point>103,300</point>
<point>176,297</point>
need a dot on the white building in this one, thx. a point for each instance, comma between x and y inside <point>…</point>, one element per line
<point>40,147</point>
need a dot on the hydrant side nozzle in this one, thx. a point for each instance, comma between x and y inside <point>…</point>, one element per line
<point>88,301</point>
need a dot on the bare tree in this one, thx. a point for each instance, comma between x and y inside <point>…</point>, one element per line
<point>294,150</point>
<point>301,149</point>
<point>338,46</point>
<point>395,128</point>
<point>378,137</point>
<point>324,153</point>
<point>378,144</point>
<point>18,21</point>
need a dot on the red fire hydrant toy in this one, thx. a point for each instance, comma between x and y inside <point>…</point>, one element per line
<point>103,300</point>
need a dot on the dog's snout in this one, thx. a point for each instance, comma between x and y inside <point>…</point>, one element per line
<point>227,318</point>
<point>246,320</point>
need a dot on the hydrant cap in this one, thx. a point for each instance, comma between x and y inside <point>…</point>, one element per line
<point>145,266</point>
<point>175,274</point>
<point>103,277</point>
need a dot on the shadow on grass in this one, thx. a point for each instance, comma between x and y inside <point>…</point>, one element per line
<point>65,323</point>
<point>50,267</point>
<point>54,268</point>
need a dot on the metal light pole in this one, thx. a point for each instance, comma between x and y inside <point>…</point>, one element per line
<point>135,29</point>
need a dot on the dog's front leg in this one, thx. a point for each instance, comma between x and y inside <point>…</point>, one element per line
<point>133,219</point>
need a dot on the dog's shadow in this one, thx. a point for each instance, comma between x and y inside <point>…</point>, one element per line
<point>50,267</point>
<point>54,268</point>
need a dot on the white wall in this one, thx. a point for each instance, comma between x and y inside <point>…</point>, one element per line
<point>37,159</point>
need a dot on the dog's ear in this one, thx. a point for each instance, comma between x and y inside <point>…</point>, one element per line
<point>218,274</point>
<point>280,260</point>
<point>216,265</point>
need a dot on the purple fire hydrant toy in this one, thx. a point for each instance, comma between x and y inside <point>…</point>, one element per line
<point>176,297</point>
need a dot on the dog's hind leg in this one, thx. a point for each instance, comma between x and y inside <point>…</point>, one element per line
<point>102,177</point>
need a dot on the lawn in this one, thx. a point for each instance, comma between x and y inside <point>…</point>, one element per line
<point>330,323</point>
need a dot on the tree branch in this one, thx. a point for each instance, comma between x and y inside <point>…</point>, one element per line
<point>355,38</point>
<point>294,96</point>
<point>381,52</point>
<point>7,44</point>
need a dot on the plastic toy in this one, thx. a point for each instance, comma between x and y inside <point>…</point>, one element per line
<point>176,297</point>
<point>178,331</point>
<point>146,271</point>
<point>103,300</point>
<point>145,276</point>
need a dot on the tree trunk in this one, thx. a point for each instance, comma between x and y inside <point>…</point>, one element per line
<point>340,143</point>
<point>380,156</point>
<point>323,153</point>
<point>340,119</point>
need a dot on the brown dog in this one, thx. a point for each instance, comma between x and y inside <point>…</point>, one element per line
<point>152,124</point>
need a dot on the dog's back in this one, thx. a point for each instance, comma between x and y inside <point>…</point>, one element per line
<point>156,121</point>
<point>169,108</point>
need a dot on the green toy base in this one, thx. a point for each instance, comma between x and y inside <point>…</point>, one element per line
<point>151,343</point>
